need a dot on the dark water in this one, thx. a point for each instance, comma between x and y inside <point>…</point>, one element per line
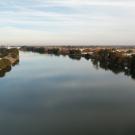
<point>51,95</point>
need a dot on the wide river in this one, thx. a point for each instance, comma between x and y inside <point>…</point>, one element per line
<point>56,95</point>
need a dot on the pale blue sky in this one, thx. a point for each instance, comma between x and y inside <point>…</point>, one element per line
<point>67,22</point>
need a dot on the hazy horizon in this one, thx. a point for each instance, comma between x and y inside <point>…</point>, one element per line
<point>67,22</point>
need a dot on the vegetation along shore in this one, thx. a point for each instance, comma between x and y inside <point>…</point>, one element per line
<point>118,59</point>
<point>8,58</point>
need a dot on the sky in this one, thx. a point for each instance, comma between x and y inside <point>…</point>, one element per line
<point>67,22</point>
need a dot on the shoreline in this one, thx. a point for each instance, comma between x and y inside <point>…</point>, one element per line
<point>116,60</point>
<point>8,58</point>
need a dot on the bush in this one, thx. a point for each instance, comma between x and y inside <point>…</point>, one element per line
<point>14,52</point>
<point>4,63</point>
<point>3,52</point>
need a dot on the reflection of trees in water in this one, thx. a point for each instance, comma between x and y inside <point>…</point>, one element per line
<point>113,64</point>
<point>115,68</point>
<point>8,69</point>
<point>16,63</point>
<point>105,59</point>
<point>95,63</point>
<point>4,71</point>
<point>75,57</point>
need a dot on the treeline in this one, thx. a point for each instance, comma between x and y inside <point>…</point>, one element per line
<point>14,52</point>
<point>73,53</point>
<point>51,50</point>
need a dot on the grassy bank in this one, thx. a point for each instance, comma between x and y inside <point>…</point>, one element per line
<point>8,57</point>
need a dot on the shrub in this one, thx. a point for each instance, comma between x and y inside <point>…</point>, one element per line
<point>4,63</point>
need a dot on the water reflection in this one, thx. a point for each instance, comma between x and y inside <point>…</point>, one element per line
<point>116,69</point>
<point>3,72</point>
<point>106,65</point>
<point>8,69</point>
<point>49,95</point>
<point>75,57</point>
<point>16,63</point>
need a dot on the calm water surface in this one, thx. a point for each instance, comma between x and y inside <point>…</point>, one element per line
<point>51,95</point>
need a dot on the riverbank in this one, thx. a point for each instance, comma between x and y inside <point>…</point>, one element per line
<point>8,58</point>
<point>115,59</point>
<point>87,52</point>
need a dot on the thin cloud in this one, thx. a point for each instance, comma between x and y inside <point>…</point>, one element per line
<point>67,21</point>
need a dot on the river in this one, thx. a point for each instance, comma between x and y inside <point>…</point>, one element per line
<point>56,95</point>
